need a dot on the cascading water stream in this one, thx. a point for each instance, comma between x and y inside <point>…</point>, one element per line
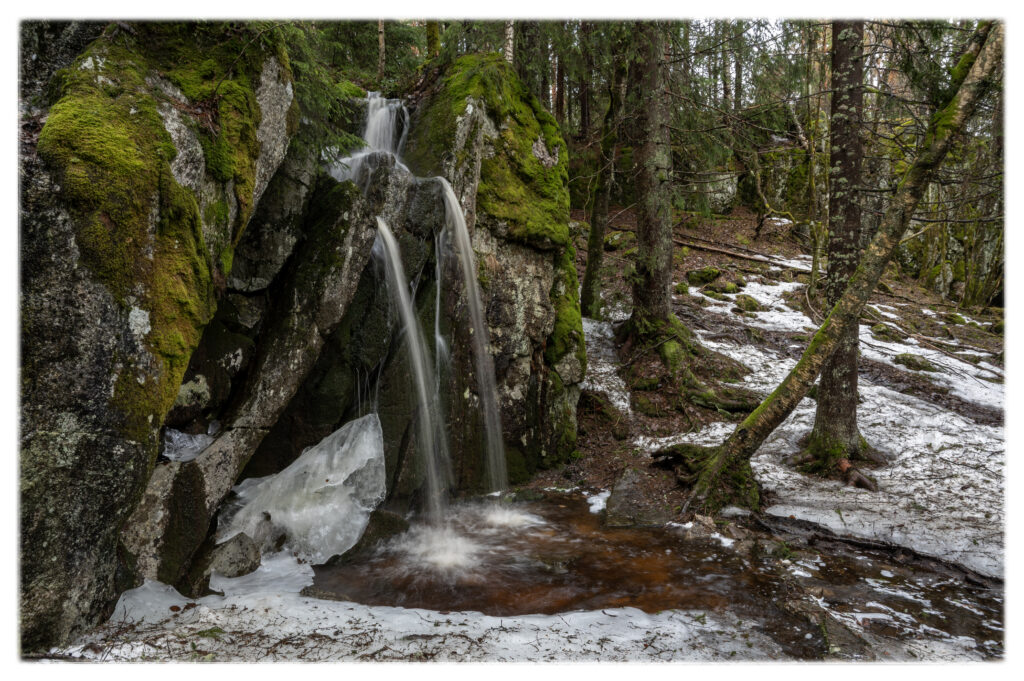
<point>497,473</point>
<point>387,125</point>
<point>383,119</point>
<point>430,433</point>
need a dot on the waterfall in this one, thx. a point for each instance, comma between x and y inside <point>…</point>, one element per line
<point>430,433</point>
<point>385,131</point>
<point>497,474</point>
<point>384,117</point>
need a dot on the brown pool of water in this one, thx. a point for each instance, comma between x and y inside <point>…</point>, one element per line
<point>556,556</point>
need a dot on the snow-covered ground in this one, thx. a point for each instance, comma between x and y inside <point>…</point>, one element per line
<point>943,491</point>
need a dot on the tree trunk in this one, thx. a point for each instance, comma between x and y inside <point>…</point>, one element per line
<point>737,100</point>
<point>545,83</point>
<point>651,298</point>
<point>687,64</point>
<point>835,435</point>
<point>380,50</point>
<point>560,89</point>
<point>433,39</point>
<point>720,467</point>
<point>510,38</point>
<point>590,296</point>
<point>724,57</point>
<point>584,82</point>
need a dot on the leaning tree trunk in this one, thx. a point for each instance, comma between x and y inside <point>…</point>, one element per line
<point>651,298</point>
<point>835,435</point>
<point>723,473</point>
<point>590,295</point>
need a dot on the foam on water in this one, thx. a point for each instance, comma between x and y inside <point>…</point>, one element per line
<point>441,549</point>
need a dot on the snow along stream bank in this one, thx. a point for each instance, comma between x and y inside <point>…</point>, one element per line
<point>942,493</point>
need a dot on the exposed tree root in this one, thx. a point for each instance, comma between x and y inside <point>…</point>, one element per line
<point>698,468</point>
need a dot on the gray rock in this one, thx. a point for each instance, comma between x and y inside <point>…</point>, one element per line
<point>628,505</point>
<point>236,557</point>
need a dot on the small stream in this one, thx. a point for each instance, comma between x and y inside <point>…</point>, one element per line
<point>555,556</point>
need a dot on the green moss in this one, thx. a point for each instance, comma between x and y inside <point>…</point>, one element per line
<point>644,405</point>
<point>516,186</point>
<point>703,276</point>
<point>915,362</point>
<point>885,332</point>
<point>682,288</point>
<point>747,303</point>
<point>615,241</point>
<point>954,318</point>
<point>347,88</point>
<point>567,334</point>
<point>723,287</point>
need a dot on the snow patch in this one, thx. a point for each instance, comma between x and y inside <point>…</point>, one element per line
<point>602,365</point>
<point>597,501</point>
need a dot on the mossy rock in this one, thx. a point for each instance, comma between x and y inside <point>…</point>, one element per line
<point>915,362</point>
<point>997,327</point>
<point>703,276</point>
<point>885,332</point>
<point>616,241</point>
<point>723,287</point>
<point>682,288</point>
<point>954,318</point>
<point>714,295</point>
<point>747,303</point>
<point>567,335</point>
<point>138,230</point>
<point>524,183</point>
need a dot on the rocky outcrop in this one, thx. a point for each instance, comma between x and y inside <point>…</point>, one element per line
<point>133,192</point>
<point>225,279</point>
<point>313,293</point>
<point>479,127</point>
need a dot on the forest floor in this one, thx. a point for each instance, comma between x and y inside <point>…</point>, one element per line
<point>931,393</point>
<point>910,572</point>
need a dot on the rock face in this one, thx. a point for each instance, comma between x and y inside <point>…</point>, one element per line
<point>127,224</point>
<point>479,127</point>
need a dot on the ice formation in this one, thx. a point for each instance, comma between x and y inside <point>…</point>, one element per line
<point>322,502</point>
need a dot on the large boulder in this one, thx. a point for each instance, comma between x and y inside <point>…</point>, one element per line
<point>134,191</point>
